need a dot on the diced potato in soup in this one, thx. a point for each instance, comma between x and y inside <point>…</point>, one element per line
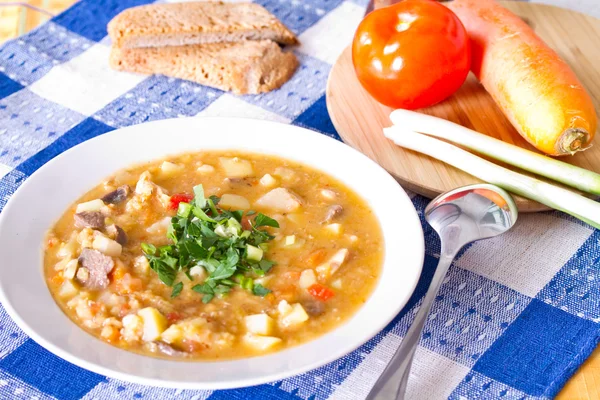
<point>154,323</point>
<point>234,202</point>
<point>168,169</point>
<point>280,199</point>
<point>236,167</point>
<point>214,255</point>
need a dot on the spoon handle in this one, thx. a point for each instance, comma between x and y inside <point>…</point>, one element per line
<point>387,386</point>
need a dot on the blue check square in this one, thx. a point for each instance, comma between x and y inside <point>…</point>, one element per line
<point>54,42</point>
<point>29,123</point>
<point>11,336</point>
<point>539,350</point>
<point>469,313</point>
<point>478,386</point>
<point>22,64</point>
<point>9,183</point>
<point>316,117</point>
<point>88,18</point>
<point>576,287</point>
<point>8,86</point>
<point>43,370</point>
<point>299,15</point>
<point>158,97</point>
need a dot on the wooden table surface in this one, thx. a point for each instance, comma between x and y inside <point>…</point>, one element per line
<point>16,20</point>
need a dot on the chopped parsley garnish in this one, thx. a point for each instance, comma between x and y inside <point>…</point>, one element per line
<point>207,236</point>
<point>177,289</point>
<point>260,290</point>
<point>263,220</point>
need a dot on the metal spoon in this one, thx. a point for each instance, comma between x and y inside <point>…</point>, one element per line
<point>460,217</point>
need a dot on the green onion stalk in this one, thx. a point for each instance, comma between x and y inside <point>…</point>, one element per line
<point>570,175</point>
<point>553,196</point>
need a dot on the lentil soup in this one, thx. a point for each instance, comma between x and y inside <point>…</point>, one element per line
<point>214,255</point>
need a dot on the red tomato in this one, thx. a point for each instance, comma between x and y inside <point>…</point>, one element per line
<point>412,54</point>
<point>179,198</point>
<point>320,292</point>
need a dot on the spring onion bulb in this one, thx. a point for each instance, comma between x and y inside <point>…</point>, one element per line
<point>553,196</point>
<point>570,175</point>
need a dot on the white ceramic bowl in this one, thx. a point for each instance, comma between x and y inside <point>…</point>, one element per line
<point>42,199</point>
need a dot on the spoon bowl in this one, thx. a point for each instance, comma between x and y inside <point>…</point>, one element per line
<point>460,217</point>
<point>470,213</point>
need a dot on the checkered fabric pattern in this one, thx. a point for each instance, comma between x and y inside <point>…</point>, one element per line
<point>515,316</point>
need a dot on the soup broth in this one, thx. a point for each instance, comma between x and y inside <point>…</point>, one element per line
<point>214,255</point>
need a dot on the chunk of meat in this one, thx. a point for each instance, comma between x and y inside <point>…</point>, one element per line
<point>89,219</point>
<point>117,234</point>
<point>333,212</point>
<point>169,351</point>
<point>117,195</point>
<point>313,308</point>
<point>98,266</point>
<point>280,199</point>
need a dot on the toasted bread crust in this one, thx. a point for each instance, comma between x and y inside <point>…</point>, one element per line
<point>249,67</point>
<point>174,24</point>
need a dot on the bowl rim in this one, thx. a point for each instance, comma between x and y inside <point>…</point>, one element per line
<point>367,334</point>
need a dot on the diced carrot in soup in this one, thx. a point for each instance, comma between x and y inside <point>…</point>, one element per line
<point>57,279</point>
<point>316,257</point>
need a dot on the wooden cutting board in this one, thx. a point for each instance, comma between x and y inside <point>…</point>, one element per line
<point>359,119</point>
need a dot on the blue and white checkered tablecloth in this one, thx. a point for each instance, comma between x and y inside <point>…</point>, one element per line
<point>515,317</point>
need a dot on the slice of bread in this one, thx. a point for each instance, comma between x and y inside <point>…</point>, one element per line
<point>177,24</point>
<point>249,67</point>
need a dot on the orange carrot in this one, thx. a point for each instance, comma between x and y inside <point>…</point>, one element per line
<point>117,273</point>
<point>57,280</point>
<point>114,336</point>
<point>315,257</point>
<point>536,90</point>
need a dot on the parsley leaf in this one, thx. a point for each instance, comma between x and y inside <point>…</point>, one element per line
<point>260,290</point>
<point>204,288</point>
<point>237,215</point>
<point>177,289</point>
<point>223,271</point>
<point>262,220</point>
<point>165,273</point>
<point>266,265</point>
